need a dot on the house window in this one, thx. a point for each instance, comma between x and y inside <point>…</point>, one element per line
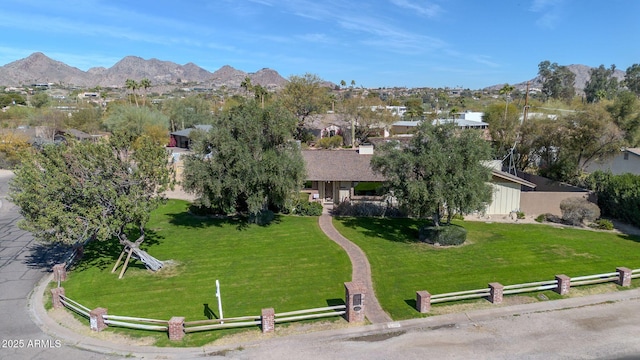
<point>366,188</point>
<point>626,156</point>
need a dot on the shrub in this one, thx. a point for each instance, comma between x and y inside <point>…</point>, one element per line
<point>618,195</point>
<point>366,209</point>
<point>520,215</point>
<point>308,208</point>
<point>603,224</point>
<point>578,210</point>
<point>330,142</point>
<point>541,218</point>
<point>445,235</point>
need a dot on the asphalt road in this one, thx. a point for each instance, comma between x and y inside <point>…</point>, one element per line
<point>22,264</point>
<point>605,326</point>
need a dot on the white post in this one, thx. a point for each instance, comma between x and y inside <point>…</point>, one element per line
<point>219,300</point>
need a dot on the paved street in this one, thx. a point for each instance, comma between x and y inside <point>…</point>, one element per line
<point>605,326</point>
<point>22,264</point>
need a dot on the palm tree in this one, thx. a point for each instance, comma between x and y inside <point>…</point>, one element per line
<point>133,85</point>
<point>246,84</point>
<point>145,84</point>
<point>506,90</point>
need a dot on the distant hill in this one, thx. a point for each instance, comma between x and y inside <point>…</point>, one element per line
<point>38,68</point>
<point>583,74</point>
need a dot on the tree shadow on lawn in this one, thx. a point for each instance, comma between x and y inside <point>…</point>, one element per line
<point>634,238</point>
<point>104,254</point>
<point>395,230</point>
<point>194,221</point>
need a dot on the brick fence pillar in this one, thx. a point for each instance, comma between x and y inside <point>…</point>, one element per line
<point>268,319</point>
<point>496,291</point>
<point>96,321</point>
<point>176,328</point>
<point>564,284</point>
<point>355,293</point>
<point>624,276</point>
<point>423,301</point>
<point>60,272</point>
<point>55,297</point>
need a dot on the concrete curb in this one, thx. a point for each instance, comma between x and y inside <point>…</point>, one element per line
<point>458,320</point>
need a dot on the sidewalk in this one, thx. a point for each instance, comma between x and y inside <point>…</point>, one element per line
<point>361,270</point>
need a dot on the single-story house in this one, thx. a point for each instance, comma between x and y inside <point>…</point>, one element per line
<point>627,160</point>
<point>181,138</point>
<point>334,176</point>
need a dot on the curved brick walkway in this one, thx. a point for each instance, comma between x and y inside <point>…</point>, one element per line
<point>361,270</point>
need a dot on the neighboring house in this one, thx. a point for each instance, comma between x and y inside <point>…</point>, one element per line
<point>61,135</point>
<point>337,175</point>
<point>625,161</point>
<point>548,195</point>
<point>408,127</point>
<point>181,139</point>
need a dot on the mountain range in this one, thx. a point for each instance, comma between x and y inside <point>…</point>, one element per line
<point>38,68</point>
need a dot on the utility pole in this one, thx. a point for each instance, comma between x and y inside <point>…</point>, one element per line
<point>526,104</point>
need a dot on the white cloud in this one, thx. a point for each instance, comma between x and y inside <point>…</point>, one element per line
<point>427,9</point>
<point>549,10</point>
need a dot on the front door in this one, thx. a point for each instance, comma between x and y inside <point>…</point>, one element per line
<point>328,191</point>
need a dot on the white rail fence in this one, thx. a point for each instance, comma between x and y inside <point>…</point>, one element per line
<point>495,291</point>
<point>177,327</point>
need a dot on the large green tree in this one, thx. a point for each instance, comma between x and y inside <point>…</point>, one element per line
<point>625,112</point>
<point>305,96</point>
<point>557,81</point>
<point>632,79</point>
<point>504,125</point>
<point>601,85</point>
<point>247,163</point>
<point>134,122</point>
<point>366,116</point>
<point>186,112</point>
<point>439,172</point>
<point>567,145</point>
<point>414,109</point>
<point>80,191</point>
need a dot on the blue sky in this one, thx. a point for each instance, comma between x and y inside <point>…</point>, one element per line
<point>377,43</point>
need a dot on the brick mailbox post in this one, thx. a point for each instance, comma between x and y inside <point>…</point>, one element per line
<point>268,319</point>
<point>176,328</point>
<point>496,292</point>
<point>55,297</point>
<point>624,276</point>
<point>355,298</point>
<point>60,272</point>
<point>564,284</point>
<point>423,301</point>
<point>96,319</point>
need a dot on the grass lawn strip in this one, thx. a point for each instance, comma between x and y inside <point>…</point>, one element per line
<point>288,265</point>
<point>504,253</point>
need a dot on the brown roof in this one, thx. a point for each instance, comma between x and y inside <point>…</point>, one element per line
<point>339,165</point>
<point>349,165</point>
<point>513,178</point>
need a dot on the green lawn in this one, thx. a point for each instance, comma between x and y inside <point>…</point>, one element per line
<point>504,253</point>
<point>288,265</point>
